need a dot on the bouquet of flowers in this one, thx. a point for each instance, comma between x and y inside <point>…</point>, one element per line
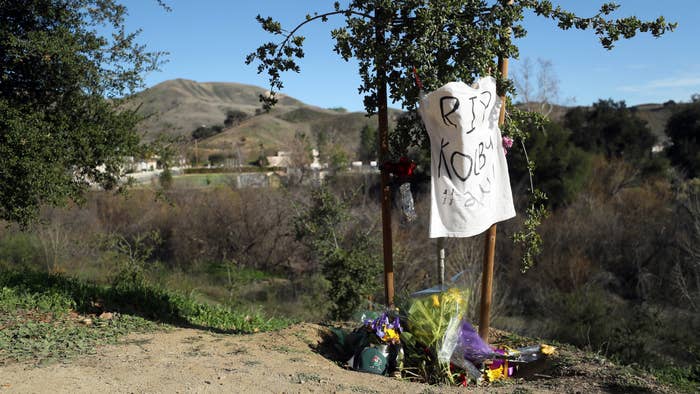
<point>385,330</point>
<point>433,313</point>
<point>376,345</point>
<point>496,362</point>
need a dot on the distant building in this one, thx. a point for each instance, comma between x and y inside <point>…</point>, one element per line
<point>282,159</point>
<point>316,164</point>
<point>141,165</point>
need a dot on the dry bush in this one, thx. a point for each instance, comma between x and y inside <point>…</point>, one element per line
<point>250,227</point>
<point>685,275</point>
<point>614,236</point>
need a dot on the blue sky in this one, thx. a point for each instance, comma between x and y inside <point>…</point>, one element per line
<point>209,39</point>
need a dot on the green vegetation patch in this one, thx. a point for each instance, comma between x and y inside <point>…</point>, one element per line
<point>46,317</point>
<point>42,326</point>
<point>204,180</point>
<point>684,379</point>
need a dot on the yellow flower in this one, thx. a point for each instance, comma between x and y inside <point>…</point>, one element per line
<point>547,349</point>
<point>436,301</point>
<point>497,373</point>
<point>390,335</point>
<point>453,295</point>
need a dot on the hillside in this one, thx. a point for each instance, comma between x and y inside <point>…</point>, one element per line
<point>177,107</point>
<point>656,115</point>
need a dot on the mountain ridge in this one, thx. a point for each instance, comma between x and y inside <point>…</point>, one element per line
<point>177,107</point>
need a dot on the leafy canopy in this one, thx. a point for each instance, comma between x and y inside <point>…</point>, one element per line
<point>445,40</point>
<point>60,79</point>
<point>615,131</point>
<point>562,167</point>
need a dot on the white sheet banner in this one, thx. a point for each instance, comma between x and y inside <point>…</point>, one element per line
<point>470,188</point>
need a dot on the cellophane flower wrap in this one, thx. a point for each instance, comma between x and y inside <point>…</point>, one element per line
<point>428,318</point>
<point>471,346</point>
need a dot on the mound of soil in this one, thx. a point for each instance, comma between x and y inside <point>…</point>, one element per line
<point>292,360</point>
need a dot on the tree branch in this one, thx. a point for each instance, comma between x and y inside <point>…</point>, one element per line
<point>323,17</point>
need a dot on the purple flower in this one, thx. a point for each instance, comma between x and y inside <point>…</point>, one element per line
<point>382,323</point>
<point>379,332</point>
<point>397,324</point>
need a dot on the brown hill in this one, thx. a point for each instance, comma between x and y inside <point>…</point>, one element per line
<point>177,107</point>
<point>656,116</point>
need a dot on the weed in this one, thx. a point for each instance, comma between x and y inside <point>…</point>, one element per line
<point>137,342</point>
<point>303,338</point>
<point>686,379</point>
<point>363,390</point>
<point>44,333</point>
<point>237,351</point>
<point>197,352</point>
<point>283,349</point>
<point>303,377</point>
<point>47,317</point>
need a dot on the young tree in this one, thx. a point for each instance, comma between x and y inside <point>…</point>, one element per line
<point>537,88</point>
<point>343,247</point>
<point>60,130</point>
<point>368,143</point>
<point>445,40</point>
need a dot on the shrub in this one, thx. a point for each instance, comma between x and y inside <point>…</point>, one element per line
<point>345,252</point>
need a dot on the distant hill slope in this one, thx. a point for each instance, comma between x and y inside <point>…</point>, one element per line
<point>656,115</point>
<point>177,107</point>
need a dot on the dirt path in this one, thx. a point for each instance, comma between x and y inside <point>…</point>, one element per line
<point>193,361</point>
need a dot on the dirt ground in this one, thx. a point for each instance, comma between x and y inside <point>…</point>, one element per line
<point>288,361</point>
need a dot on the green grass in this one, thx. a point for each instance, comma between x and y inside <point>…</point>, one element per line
<point>202,180</point>
<point>46,317</point>
<point>686,379</point>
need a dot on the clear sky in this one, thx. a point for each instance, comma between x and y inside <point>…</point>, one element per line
<point>209,39</point>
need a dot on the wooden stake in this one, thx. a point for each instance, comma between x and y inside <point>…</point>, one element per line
<point>383,128</point>
<point>490,240</point>
<point>441,260</point>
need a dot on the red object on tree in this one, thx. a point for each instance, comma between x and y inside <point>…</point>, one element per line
<point>403,169</point>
